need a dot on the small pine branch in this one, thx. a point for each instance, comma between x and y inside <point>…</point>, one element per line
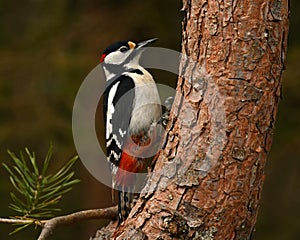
<point>37,192</point>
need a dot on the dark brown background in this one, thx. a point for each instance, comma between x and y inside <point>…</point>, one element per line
<point>46,50</point>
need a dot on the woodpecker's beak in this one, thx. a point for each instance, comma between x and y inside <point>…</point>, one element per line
<point>145,43</point>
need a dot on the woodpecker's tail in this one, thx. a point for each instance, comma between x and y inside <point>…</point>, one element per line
<point>124,204</point>
<point>125,179</point>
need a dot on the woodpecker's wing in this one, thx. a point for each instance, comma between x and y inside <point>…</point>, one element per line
<point>118,101</point>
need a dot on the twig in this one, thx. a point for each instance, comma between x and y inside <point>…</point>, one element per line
<point>20,221</point>
<point>50,225</point>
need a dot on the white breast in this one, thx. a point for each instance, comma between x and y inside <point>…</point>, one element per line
<point>147,106</point>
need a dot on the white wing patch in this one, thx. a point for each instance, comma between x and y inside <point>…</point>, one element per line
<point>122,133</point>
<point>110,109</point>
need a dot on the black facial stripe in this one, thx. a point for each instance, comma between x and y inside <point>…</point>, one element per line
<point>137,71</point>
<point>114,68</point>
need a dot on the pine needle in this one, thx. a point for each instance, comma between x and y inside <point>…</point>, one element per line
<point>36,191</point>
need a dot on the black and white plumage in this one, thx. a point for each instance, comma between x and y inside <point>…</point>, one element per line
<point>117,115</point>
<point>131,109</point>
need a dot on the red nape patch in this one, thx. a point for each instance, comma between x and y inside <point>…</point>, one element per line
<point>128,166</point>
<point>102,57</point>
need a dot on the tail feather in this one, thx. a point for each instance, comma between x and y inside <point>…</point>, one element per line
<point>124,204</point>
<point>125,177</point>
<point>125,180</point>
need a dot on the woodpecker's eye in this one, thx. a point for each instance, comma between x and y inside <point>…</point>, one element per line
<point>123,49</point>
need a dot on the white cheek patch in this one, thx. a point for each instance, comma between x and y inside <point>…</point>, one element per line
<point>117,58</point>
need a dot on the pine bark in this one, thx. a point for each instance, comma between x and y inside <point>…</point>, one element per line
<point>208,178</point>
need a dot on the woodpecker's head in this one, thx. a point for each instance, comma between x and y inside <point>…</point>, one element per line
<point>122,55</point>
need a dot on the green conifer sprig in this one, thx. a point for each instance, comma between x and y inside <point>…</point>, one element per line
<point>37,192</point>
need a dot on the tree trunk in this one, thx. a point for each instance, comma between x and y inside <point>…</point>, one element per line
<point>209,174</point>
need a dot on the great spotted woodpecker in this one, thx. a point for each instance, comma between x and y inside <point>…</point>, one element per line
<point>131,110</point>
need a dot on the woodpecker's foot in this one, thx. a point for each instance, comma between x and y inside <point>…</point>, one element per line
<point>134,200</point>
<point>164,119</point>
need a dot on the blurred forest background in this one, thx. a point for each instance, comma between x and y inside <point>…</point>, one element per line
<point>46,50</point>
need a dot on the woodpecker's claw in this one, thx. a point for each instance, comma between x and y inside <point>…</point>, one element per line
<point>164,119</point>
